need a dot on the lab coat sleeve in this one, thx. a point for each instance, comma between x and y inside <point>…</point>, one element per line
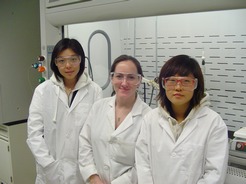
<point>130,177</point>
<point>35,131</point>
<point>216,158</point>
<point>86,162</point>
<point>142,156</point>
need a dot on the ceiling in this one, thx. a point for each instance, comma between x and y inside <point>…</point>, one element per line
<point>98,10</point>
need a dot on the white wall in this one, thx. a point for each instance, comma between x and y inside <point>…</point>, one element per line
<point>218,36</point>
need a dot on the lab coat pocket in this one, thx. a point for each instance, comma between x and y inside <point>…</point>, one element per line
<point>71,172</point>
<point>124,152</point>
<point>52,173</point>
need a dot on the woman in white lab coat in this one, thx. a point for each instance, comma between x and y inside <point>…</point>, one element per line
<point>182,141</point>
<point>57,114</point>
<point>107,141</point>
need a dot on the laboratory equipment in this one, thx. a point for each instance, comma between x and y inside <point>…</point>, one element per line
<point>152,83</point>
<point>235,175</point>
<point>236,172</point>
<point>241,133</point>
<point>40,67</point>
<point>155,86</point>
<point>238,144</point>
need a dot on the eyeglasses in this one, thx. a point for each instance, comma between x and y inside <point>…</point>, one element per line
<point>188,83</point>
<point>72,60</point>
<point>133,79</point>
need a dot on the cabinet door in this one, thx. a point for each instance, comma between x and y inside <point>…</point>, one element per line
<point>5,162</point>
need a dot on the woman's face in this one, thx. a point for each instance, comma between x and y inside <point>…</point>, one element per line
<point>125,79</point>
<point>181,93</point>
<point>68,63</point>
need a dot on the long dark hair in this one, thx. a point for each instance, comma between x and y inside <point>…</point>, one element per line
<point>182,65</point>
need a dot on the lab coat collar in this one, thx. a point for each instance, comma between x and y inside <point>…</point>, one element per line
<point>189,127</point>
<point>79,97</point>
<point>83,81</point>
<point>164,125</point>
<point>59,85</point>
<point>191,121</point>
<point>137,110</point>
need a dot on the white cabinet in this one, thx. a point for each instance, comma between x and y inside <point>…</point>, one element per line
<point>5,161</point>
<point>17,165</point>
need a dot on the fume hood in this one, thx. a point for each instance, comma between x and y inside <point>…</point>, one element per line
<point>63,12</point>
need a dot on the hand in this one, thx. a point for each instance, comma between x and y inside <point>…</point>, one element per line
<point>95,179</point>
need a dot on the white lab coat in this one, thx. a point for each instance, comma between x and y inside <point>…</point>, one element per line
<point>108,152</point>
<point>54,127</point>
<point>199,156</point>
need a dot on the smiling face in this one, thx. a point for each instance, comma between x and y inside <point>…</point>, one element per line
<point>123,79</point>
<point>69,69</point>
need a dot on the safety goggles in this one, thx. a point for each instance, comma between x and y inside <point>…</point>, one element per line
<point>187,83</point>
<point>133,79</point>
<point>71,60</point>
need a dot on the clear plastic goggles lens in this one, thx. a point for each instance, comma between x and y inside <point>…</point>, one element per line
<point>72,60</point>
<point>187,83</point>
<point>133,79</point>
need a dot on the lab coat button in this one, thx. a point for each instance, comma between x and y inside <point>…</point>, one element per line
<point>106,167</point>
<point>174,154</point>
<point>112,140</point>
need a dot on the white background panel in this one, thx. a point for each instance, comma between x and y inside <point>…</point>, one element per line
<point>218,36</point>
